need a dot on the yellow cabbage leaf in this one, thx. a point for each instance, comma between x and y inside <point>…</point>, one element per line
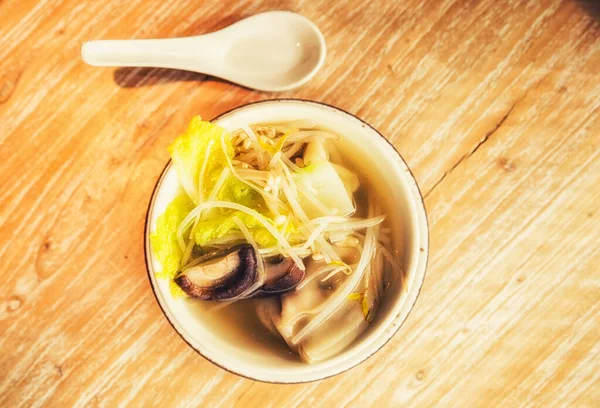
<point>164,239</point>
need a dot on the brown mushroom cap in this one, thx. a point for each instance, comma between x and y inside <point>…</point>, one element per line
<point>281,276</point>
<point>225,275</point>
<point>221,277</point>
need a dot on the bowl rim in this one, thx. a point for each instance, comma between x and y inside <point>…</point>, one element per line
<point>147,260</point>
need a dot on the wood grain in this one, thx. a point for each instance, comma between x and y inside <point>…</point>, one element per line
<point>494,105</point>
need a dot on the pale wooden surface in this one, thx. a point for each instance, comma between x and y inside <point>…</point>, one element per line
<point>494,105</point>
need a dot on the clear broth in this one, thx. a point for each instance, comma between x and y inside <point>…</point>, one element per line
<point>239,320</point>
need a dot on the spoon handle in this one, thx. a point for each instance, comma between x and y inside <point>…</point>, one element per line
<point>178,53</point>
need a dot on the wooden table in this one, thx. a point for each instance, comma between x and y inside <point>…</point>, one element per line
<point>494,105</point>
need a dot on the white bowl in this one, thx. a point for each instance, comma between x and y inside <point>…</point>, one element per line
<point>385,169</point>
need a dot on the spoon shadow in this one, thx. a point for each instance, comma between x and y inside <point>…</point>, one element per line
<point>137,77</point>
<point>140,77</point>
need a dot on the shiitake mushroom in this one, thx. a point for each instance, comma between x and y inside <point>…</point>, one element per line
<point>227,274</point>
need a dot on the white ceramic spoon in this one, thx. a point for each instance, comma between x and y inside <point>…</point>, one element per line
<point>272,51</point>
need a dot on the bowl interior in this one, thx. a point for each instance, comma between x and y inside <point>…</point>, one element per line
<point>231,344</point>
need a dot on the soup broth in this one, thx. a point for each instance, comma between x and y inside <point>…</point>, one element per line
<point>289,326</point>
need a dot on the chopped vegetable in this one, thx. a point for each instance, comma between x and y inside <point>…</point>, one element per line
<point>221,225</point>
<point>164,239</point>
<point>189,155</point>
<point>325,184</point>
<point>364,304</point>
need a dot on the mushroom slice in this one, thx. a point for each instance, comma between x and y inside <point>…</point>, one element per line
<point>221,277</point>
<point>282,274</point>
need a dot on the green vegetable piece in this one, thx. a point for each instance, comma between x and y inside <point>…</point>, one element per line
<point>189,155</point>
<point>164,239</point>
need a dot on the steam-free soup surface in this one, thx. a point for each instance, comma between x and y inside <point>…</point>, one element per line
<point>283,240</point>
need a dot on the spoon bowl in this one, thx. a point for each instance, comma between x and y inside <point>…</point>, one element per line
<point>271,51</point>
